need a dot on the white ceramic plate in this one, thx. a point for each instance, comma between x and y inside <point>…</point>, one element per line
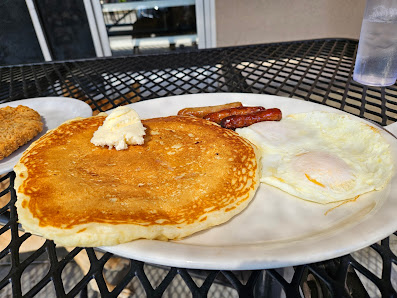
<point>54,111</point>
<point>276,229</point>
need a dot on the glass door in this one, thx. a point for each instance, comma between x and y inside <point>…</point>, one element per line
<point>154,26</point>
<point>97,28</point>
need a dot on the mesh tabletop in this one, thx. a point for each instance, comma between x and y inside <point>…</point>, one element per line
<point>315,70</point>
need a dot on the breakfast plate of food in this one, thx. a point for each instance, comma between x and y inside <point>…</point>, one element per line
<point>270,182</point>
<point>24,121</point>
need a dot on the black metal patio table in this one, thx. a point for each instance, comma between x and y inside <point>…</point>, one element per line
<point>312,70</point>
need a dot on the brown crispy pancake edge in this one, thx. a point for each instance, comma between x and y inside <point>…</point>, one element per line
<point>108,230</point>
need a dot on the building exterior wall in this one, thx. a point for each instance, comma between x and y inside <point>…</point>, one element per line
<point>262,21</point>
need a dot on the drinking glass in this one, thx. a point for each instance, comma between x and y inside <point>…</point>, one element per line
<point>376,61</point>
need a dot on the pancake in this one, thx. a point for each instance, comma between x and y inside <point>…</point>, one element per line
<point>190,174</point>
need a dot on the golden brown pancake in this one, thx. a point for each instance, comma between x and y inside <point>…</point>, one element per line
<point>189,175</point>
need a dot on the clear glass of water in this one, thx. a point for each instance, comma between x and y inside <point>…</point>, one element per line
<point>376,61</point>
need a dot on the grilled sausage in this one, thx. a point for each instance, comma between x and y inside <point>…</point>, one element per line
<point>238,121</point>
<point>202,111</point>
<point>218,116</point>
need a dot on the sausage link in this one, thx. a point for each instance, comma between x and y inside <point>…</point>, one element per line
<point>238,121</point>
<point>218,116</point>
<point>202,111</point>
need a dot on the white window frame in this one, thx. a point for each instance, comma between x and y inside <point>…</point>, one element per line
<point>39,31</point>
<point>95,22</point>
<point>97,28</point>
<point>206,23</point>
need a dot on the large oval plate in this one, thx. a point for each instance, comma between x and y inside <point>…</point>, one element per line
<point>276,229</point>
<point>53,111</point>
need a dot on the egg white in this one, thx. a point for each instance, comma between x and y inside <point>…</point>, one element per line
<point>322,157</point>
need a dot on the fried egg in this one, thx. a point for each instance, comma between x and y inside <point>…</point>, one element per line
<point>322,157</point>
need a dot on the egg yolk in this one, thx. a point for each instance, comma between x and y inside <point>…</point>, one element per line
<point>323,169</point>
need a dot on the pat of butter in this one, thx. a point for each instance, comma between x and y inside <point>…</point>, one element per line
<point>121,128</point>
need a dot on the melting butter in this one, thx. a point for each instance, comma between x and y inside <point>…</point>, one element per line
<point>121,128</point>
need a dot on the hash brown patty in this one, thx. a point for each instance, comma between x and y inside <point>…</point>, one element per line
<point>17,126</point>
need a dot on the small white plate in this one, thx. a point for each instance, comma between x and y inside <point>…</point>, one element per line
<point>276,229</point>
<point>54,111</point>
